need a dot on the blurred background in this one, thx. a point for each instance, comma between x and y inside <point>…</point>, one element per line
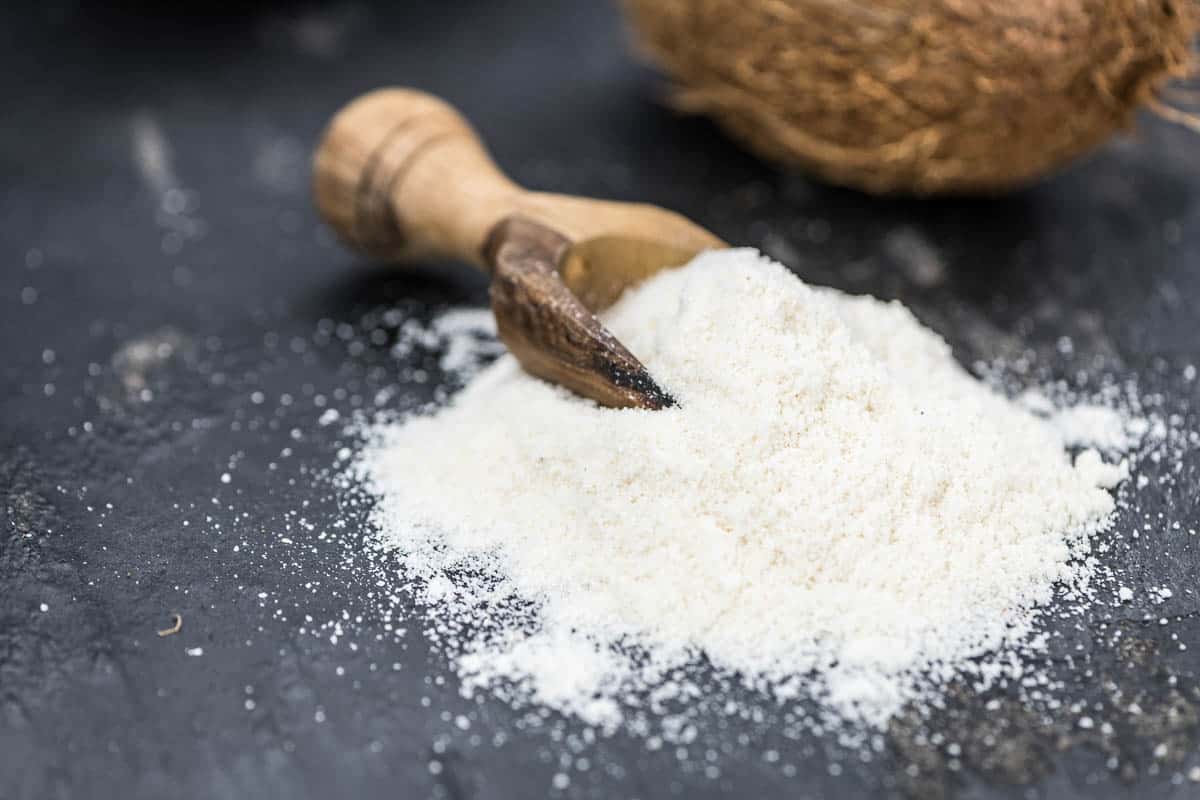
<point>172,308</point>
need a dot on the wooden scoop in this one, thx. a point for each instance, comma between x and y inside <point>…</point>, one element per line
<point>401,175</point>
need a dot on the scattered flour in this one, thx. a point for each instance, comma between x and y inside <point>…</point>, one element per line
<point>465,337</point>
<point>835,513</point>
<point>1095,426</point>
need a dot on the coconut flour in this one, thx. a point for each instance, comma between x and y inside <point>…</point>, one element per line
<point>836,512</point>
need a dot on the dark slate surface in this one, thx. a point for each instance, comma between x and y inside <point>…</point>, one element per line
<point>162,264</point>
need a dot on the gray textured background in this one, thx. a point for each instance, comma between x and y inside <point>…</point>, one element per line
<point>145,298</point>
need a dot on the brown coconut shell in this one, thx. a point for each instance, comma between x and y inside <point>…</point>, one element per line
<point>919,95</point>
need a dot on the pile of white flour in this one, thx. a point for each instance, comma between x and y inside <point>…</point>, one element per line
<point>835,511</point>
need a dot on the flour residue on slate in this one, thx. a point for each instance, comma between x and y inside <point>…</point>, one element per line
<point>838,516</point>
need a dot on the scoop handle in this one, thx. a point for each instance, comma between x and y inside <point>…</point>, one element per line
<point>401,175</point>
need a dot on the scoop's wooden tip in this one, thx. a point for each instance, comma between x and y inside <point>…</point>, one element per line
<point>628,377</point>
<point>551,332</point>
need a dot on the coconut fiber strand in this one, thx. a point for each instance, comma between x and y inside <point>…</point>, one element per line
<point>919,95</point>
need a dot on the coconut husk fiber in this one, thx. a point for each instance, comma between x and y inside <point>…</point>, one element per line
<point>919,96</point>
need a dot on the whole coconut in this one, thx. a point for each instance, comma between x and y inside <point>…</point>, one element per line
<point>919,95</point>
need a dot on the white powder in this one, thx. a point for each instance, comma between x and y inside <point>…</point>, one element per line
<point>836,511</point>
<point>466,337</point>
<point>469,336</point>
<point>1087,424</point>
